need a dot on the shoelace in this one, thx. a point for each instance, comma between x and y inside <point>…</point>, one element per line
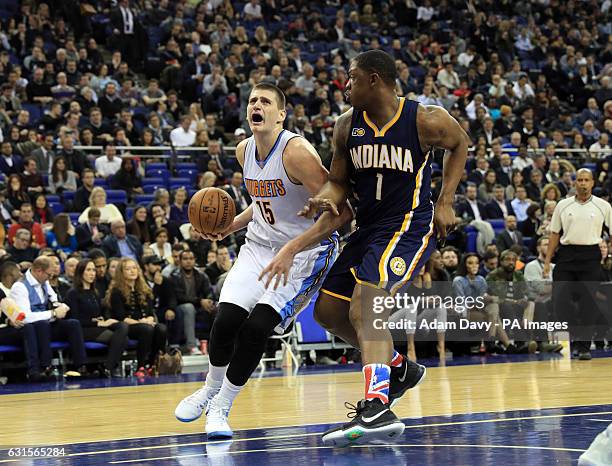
<point>354,410</point>
<point>195,399</point>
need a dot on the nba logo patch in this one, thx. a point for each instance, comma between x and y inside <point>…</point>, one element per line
<point>398,266</point>
<point>358,132</point>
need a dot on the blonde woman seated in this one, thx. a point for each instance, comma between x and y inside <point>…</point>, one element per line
<point>109,212</point>
<point>413,317</point>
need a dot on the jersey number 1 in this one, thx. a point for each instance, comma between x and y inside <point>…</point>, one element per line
<point>379,177</point>
<point>266,211</point>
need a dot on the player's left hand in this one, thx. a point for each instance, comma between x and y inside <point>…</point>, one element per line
<point>278,268</point>
<point>444,220</point>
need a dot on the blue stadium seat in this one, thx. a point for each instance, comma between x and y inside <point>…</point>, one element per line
<point>35,111</point>
<point>151,188</point>
<point>94,345</point>
<point>68,196</point>
<point>53,198</point>
<point>191,173</point>
<point>590,165</point>
<point>59,345</point>
<point>10,349</point>
<point>162,173</point>
<point>114,196</point>
<point>186,165</point>
<point>156,165</point>
<point>56,207</point>
<point>497,223</point>
<point>471,236</point>
<point>180,182</point>
<point>74,217</point>
<point>309,331</point>
<point>143,198</point>
<point>129,213</point>
<point>101,182</point>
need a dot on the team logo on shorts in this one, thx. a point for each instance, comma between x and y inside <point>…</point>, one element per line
<point>398,266</point>
<point>358,132</point>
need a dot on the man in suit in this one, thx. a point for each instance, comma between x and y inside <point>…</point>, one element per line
<point>91,233</point>
<point>238,193</point>
<point>510,236</point>
<point>44,155</point>
<point>81,196</point>
<point>120,244</point>
<point>478,174</point>
<point>499,207</point>
<point>196,70</point>
<point>10,163</point>
<point>470,208</point>
<point>128,34</point>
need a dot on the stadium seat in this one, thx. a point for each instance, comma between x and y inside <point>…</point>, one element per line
<point>114,196</point>
<point>162,173</point>
<point>129,213</point>
<point>497,223</point>
<point>74,217</point>
<point>53,198</point>
<point>180,182</point>
<point>101,182</point>
<point>156,165</point>
<point>186,165</point>
<point>143,198</point>
<point>94,345</point>
<point>191,173</point>
<point>56,207</point>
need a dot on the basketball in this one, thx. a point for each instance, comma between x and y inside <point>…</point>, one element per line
<point>211,211</point>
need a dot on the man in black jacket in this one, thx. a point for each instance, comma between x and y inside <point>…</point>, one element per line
<point>163,299</point>
<point>90,234</point>
<point>192,296</point>
<point>120,244</point>
<point>75,159</point>
<point>81,196</point>
<point>499,207</point>
<point>510,236</point>
<point>470,209</point>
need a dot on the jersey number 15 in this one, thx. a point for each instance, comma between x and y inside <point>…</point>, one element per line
<point>266,211</point>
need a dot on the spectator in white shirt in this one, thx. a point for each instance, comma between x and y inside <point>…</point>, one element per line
<point>522,89</point>
<point>252,10</point>
<point>109,163</point>
<point>448,77</point>
<point>183,135</point>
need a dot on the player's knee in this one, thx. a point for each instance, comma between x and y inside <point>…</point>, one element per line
<point>228,321</point>
<point>260,324</point>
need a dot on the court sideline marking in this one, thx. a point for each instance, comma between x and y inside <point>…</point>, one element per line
<point>310,434</point>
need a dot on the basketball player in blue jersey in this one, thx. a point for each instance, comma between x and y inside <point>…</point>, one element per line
<point>382,154</point>
<point>281,171</point>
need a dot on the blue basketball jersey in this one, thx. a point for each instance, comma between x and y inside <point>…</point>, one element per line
<point>390,174</point>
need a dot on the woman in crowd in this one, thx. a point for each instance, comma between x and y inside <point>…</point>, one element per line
<point>161,247</point>
<point>485,190</point>
<point>43,214</point>
<point>130,300</point>
<point>467,283</point>
<point>109,212</point>
<point>85,305</point>
<point>61,178</point>
<point>127,178</point>
<point>517,180</point>
<point>550,192</point>
<point>62,236</point>
<point>16,194</point>
<point>178,209</point>
<point>139,226</point>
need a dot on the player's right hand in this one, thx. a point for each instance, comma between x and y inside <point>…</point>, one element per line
<point>317,205</point>
<point>217,236</point>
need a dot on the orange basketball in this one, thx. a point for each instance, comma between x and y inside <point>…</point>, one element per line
<point>211,210</point>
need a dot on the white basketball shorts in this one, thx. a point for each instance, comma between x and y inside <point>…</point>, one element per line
<point>242,287</point>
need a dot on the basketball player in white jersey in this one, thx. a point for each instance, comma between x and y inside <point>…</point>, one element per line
<point>281,172</point>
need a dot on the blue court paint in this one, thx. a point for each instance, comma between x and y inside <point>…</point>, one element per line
<point>529,437</point>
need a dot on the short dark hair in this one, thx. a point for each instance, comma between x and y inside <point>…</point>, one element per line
<point>379,62</point>
<point>280,96</point>
<point>96,254</point>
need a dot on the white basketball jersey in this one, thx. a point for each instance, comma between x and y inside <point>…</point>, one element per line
<point>276,198</point>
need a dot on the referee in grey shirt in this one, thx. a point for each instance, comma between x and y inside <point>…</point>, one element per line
<point>577,225</point>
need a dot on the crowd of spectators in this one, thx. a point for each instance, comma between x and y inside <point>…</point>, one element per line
<point>105,96</point>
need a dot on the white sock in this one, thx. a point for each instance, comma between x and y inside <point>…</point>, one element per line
<point>229,391</point>
<point>215,376</point>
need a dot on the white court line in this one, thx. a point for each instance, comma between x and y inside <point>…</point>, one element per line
<point>600,420</point>
<point>310,434</point>
<point>399,445</point>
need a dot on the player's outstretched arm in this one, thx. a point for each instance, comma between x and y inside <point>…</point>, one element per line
<point>438,129</point>
<point>279,266</point>
<point>335,191</point>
